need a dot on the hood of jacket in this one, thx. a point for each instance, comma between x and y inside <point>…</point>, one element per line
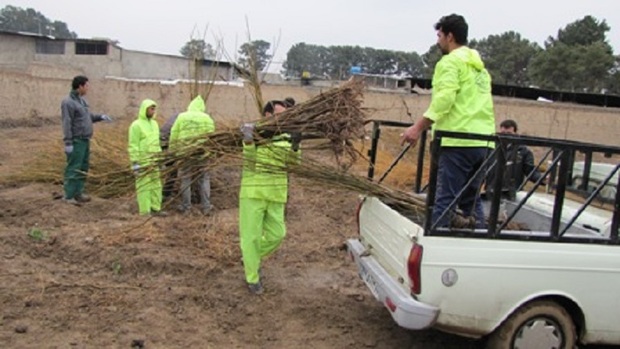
<point>197,104</point>
<point>469,56</point>
<point>144,106</point>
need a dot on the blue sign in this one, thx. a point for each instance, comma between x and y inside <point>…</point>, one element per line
<point>356,69</point>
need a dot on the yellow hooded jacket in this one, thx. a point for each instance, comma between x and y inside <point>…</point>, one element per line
<point>144,137</point>
<point>191,124</point>
<point>264,174</point>
<point>462,100</point>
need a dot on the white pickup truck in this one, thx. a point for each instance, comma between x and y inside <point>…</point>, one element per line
<point>553,284</point>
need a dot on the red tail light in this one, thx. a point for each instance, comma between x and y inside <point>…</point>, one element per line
<point>390,304</point>
<point>414,268</point>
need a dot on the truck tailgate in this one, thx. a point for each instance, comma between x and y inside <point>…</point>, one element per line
<point>388,236</point>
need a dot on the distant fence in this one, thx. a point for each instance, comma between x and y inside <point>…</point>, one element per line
<point>601,100</point>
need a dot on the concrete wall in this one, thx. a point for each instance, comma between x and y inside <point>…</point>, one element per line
<point>554,120</point>
<point>23,96</point>
<point>18,53</point>
<point>144,65</point>
<point>384,82</point>
<point>94,66</point>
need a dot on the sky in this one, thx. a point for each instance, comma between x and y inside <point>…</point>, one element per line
<point>164,26</point>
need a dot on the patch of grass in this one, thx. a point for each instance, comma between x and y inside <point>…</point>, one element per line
<point>37,234</point>
<point>116,267</point>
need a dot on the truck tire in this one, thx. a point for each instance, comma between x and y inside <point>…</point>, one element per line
<point>540,324</point>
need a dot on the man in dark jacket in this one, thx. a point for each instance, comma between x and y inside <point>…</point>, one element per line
<point>77,128</point>
<point>519,164</point>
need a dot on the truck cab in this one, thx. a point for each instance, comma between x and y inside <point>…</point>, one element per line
<point>544,273</point>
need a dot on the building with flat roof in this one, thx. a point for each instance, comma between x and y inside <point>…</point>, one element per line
<point>46,56</point>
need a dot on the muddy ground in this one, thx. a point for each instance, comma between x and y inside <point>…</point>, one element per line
<point>99,276</point>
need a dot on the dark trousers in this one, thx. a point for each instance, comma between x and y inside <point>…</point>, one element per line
<point>169,174</point>
<point>77,167</point>
<point>456,167</point>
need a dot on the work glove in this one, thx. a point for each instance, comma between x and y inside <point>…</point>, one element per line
<point>68,149</point>
<point>106,118</point>
<point>136,169</point>
<point>248,132</point>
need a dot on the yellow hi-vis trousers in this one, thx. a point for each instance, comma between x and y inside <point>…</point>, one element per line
<point>149,192</point>
<point>262,229</point>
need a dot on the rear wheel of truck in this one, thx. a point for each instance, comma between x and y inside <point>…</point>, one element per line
<point>541,324</point>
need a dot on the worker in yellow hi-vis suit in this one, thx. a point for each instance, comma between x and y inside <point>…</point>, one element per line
<point>191,128</point>
<point>143,146</point>
<point>263,195</point>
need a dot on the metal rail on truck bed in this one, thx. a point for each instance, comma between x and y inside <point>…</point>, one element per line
<point>565,219</point>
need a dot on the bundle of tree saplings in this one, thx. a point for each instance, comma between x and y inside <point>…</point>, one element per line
<point>332,120</point>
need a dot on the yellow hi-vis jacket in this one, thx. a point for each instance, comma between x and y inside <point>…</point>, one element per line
<point>264,174</point>
<point>194,123</point>
<point>144,137</point>
<point>462,100</point>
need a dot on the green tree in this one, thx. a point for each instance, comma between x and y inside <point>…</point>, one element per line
<point>580,68</point>
<point>303,57</point>
<point>198,49</point>
<point>507,57</point>
<point>254,55</point>
<point>410,63</point>
<point>388,62</point>
<point>548,69</point>
<point>15,19</point>
<point>613,82</point>
<point>579,59</point>
<point>585,31</point>
<point>343,58</point>
<point>430,59</point>
<point>380,61</point>
<point>336,61</point>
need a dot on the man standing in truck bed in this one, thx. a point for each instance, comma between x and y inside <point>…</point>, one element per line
<point>461,102</point>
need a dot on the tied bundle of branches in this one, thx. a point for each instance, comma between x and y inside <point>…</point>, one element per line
<point>335,116</point>
<point>325,174</point>
<point>319,172</point>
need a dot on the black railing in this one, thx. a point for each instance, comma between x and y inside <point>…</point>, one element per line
<point>558,176</point>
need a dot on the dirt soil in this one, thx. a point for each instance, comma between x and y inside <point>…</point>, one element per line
<point>99,276</point>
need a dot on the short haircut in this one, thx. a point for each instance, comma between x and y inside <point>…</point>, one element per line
<point>289,101</point>
<point>509,124</point>
<point>78,81</point>
<point>456,25</point>
<point>271,106</point>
